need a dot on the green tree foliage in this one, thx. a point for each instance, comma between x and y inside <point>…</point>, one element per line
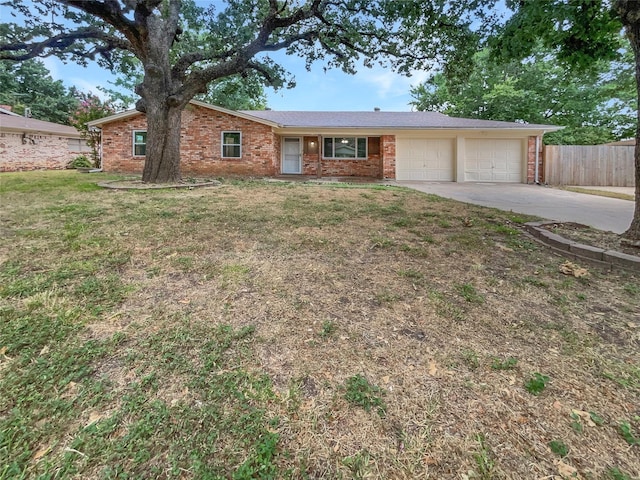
<point>234,38</point>
<point>582,32</point>
<point>90,107</point>
<point>239,92</point>
<point>595,107</point>
<point>29,85</point>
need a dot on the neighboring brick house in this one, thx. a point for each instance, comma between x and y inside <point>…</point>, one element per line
<point>30,144</point>
<point>423,146</point>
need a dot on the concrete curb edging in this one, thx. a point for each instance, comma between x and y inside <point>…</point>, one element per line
<point>606,259</point>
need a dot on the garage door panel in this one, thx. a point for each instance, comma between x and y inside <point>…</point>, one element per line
<point>424,159</point>
<point>493,160</point>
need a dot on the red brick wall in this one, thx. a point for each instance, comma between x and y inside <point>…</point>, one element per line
<point>200,147</point>
<point>364,167</point>
<point>310,163</point>
<point>531,160</point>
<point>40,152</point>
<point>261,149</point>
<point>388,156</point>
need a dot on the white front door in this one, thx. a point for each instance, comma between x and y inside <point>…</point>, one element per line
<point>291,155</point>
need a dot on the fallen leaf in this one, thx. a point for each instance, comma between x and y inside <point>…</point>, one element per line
<point>44,350</point>
<point>567,471</point>
<point>569,268</point>
<point>557,405</point>
<point>433,369</point>
<point>504,248</point>
<point>184,300</point>
<point>94,417</point>
<point>385,379</point>
<point>41,453</point>
<point>70,390</point>
<point>586,416</point>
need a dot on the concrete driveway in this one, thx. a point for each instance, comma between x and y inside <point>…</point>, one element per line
<point>602,213</point>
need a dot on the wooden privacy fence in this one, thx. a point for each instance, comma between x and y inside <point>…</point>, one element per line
<point>602,165</point>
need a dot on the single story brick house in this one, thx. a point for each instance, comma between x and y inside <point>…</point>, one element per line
<point>30,144</point>
<point>425,146</point>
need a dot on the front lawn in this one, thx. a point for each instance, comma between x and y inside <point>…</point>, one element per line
<point>274,330</point>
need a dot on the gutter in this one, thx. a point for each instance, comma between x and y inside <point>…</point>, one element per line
<point>536,177</point>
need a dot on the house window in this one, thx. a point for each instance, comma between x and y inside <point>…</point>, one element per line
<point>78,145</point>
<point>231,144</point>
<point>345,147</point>
<point>139,143</point>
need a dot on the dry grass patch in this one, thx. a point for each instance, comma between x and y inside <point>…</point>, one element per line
<point>291,331</point>
<point>601,193</point>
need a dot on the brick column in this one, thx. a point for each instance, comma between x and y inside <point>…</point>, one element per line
<point>388,156</point>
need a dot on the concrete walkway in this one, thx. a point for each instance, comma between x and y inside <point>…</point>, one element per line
<point>603,213</point>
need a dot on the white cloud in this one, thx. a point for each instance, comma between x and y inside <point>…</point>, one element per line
<point>389,84</point>
<point>87,87</point>
<point>53,65</point>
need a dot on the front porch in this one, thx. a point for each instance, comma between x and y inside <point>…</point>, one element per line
<point>322,156</point>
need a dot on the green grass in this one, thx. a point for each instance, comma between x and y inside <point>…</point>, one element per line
<point>600,193</point>
<point>469,293</point>
<point>506,364</point>
<point>615,473</point>
<point>627,433</point>
<point>484,459</point>
<point>359,392</point>
<point>559,448</point>
<point>536,384</point>
<point>220,392</point>
<point>329,327</point>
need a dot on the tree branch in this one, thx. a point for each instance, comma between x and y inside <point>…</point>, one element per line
<point>63,42</point>
<point>111,12</point>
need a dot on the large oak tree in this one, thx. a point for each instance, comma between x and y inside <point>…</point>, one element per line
<point>234,39</point>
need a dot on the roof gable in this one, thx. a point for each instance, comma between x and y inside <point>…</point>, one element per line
<point>133,113</point>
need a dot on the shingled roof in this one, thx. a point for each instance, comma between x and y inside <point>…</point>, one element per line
<point>31,125</point>
<point>378,119</point>
<point>353,120</point>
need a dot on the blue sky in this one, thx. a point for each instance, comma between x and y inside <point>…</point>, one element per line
<point>315,90</point>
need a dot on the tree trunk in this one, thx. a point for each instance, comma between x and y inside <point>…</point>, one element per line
<point>632,235</point>
<point>162,161</point>
<point>629,11</point>
<point>160,99</point>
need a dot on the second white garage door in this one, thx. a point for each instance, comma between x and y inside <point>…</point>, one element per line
<point>424,159</point>
<point>493,160</point>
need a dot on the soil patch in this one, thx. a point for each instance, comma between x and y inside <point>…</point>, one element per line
<point>137,184</point>
<point>591,236</point>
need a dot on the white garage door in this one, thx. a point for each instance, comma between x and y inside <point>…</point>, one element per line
<point>493,160</point>
<point>424,159</point>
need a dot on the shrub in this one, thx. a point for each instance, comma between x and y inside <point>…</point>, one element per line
<point>81,161</point>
